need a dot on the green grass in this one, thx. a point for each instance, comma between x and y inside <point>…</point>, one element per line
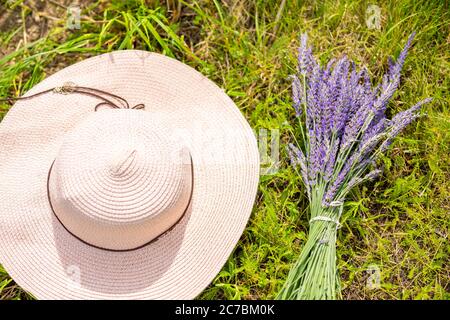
<point>400,223</point>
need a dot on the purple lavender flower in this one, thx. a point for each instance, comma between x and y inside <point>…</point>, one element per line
<point>329,168</point>
<point>306,61</point>
<point>345,122</point>
<point>297,95</point>
<point>391,80</point>
<point>298,159</point>
<point>357,180</point>
<point>400,121</point>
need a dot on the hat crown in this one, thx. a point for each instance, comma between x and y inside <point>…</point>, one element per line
<point>119,181</point>
<point>123,160</point>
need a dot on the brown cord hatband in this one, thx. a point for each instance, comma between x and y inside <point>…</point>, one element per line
<point>69,87</point>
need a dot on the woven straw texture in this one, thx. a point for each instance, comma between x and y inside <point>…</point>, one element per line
<point>116,183</point>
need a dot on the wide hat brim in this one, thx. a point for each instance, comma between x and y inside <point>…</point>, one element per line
<point>49,262</point>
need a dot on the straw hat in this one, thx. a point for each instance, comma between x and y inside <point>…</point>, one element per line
<point>128,175</point>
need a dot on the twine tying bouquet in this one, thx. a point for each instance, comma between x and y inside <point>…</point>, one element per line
<point>343,130</point>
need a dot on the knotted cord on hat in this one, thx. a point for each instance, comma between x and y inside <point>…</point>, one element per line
<point>70,87</point>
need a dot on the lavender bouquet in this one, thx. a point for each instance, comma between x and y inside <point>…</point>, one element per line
<point>344,130</point>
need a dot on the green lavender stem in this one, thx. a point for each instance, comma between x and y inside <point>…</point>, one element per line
<point>314,275</point>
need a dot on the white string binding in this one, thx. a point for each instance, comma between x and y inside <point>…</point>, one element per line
<point>335,203</point>
<point>328,219</point>
<point>324,218</point>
